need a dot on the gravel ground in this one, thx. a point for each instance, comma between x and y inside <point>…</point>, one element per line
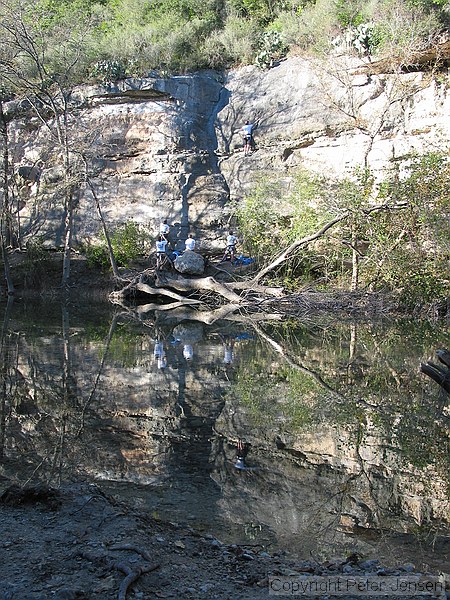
<point>78,543</point>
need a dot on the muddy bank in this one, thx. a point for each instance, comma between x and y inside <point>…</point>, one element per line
<point>78,543</point>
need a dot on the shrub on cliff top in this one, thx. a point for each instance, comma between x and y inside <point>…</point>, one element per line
<point>183,35</point>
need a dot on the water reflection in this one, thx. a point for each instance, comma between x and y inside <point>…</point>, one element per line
<point>346,442</point>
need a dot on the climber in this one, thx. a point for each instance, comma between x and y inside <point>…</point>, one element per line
<point>164,229</point>
<point>241,453</point>
<point>247,133</point>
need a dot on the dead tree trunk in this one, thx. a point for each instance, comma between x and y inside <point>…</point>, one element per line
<point>285,255</point>
<point>437,373</point>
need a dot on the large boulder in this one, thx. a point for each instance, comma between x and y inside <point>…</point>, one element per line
<point>190,263</point>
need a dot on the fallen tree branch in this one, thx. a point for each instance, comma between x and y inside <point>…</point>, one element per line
<point>179,313</point>
<point>314,236</point>
<point>207,317</point>
<point>438,374</point>
<point>298,366</point>
<point>132,575</point>
<point>202,283</point>
<point>132,548</point>
<point>162,291</point>
<point>253,287</point>
<point>297,244</point>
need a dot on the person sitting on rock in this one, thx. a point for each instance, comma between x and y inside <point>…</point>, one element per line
<point>190,243</point>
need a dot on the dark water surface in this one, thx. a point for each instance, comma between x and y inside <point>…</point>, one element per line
<point>348,441</point>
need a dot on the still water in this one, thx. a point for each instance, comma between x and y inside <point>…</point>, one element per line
<point>347,442</point>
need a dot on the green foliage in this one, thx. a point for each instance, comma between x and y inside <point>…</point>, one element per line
<point>402,247</point>
<point>128,242</point>
<point>47,42</point>
<point>271,48</point>
<point>348,13</point>
<point>108,70</point>
<point>300,206</point>
<point>267,226</point>
<point>264,11</point>
<point>364,39</point>
<point>38,264</point>
<point>428,5</point>
<point>112,38</point>
<point>311,28</point>
<point>234,44</point>
<point>401,29</point>
<point>410,248</point>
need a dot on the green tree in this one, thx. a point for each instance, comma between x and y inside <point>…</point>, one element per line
<point>126,243</point>
<point>392,237</point>
<point>410,250</point>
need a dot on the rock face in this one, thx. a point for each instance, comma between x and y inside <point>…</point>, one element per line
<point>171,148</point>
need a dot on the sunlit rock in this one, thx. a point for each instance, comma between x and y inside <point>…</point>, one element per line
<point>171,147</point>
<point>190,263</point>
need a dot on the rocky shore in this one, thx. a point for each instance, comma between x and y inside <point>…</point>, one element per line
<point>76,543</point>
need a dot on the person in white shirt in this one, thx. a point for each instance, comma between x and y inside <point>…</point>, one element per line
<point>190,243</point>
<point>161,255</point>
<point>164,229</point>
<point>160,355</point>
<point>228,346</point>
<point>247,134</point>
<point>188,352</point>
<point>230,249</point>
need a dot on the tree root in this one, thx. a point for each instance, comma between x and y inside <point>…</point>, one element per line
<point>132,574</point>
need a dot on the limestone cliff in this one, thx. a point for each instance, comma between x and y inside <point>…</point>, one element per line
<point>171,147</point>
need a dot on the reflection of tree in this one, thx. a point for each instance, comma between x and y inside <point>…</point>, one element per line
<point>359,385</point>
<point>5,367</point>
<point>374,457</point>
<point>91,395</point>
<point>45,412</point>
<point>120,417</point>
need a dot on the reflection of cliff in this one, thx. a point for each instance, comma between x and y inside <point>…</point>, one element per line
<point>364,486</point>
<point>125,418</point>
<point>318,510</point>
<point>337,444</point>
<point>335,448</point>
